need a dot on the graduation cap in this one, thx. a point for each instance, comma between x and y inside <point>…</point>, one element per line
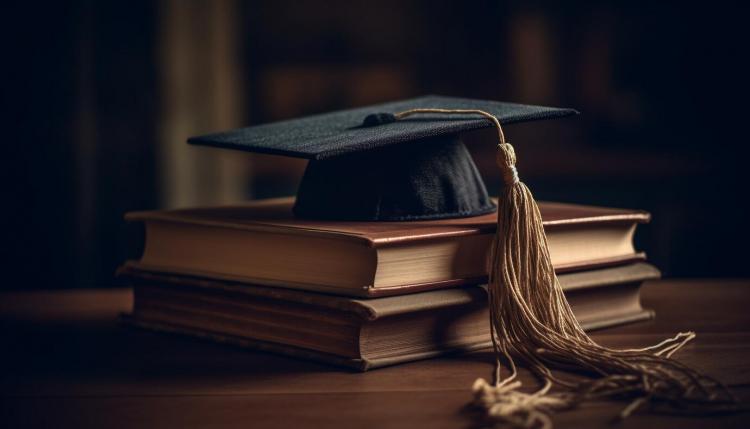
<point>405,161</point>
<point>367,165</point>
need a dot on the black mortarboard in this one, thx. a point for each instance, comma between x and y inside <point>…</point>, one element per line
<point>365,165</point>
<point>405,160</point>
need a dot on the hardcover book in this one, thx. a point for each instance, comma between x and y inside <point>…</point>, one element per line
<point>361,333</point>
<point>263,243</point>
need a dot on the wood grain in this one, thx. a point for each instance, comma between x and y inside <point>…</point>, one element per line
<point>69,363</point>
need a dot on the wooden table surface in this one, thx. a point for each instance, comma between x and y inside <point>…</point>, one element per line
<point>69,363</point>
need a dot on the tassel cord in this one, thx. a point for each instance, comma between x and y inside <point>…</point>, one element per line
<point>530,319</point>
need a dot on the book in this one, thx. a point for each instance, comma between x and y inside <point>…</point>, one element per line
<point>361,333</point>
<point>262,243</point>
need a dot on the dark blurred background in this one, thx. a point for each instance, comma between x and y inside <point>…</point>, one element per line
<point>99,97</point>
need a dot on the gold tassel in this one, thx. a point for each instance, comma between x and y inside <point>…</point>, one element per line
<point>531,320</point>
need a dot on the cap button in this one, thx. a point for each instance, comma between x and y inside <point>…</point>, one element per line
<point>374,119</point>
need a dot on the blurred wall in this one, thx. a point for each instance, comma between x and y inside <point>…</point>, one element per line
<point>201,88</point>
<point>100,98</point>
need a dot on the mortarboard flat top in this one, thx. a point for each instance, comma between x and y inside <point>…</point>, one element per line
<point>330,134</point>
<point>408,169</point>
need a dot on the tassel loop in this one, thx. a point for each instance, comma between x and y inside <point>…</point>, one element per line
<point>506,160</point>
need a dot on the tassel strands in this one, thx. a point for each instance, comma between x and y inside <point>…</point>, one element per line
<point>532,321</point>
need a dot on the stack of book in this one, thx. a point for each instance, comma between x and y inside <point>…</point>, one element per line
<point>364,294</point>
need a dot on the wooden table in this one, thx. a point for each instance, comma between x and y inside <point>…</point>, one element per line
<point>69,363</point>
